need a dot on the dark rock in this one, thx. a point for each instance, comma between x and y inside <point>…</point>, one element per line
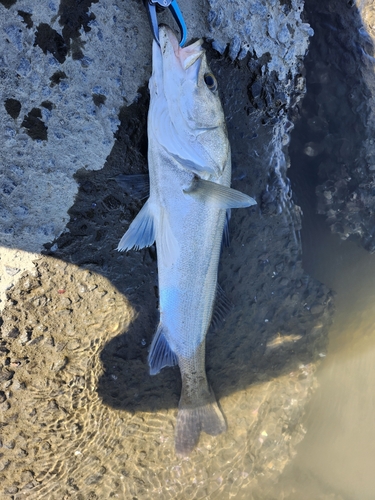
<point>12,107</point>
<point>34,126</point>
<point>51,41</point>
<point>26,18</point>
<point>98,99</point>
<point>57,77</point>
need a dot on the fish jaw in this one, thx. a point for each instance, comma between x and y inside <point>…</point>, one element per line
<point>185,117</point>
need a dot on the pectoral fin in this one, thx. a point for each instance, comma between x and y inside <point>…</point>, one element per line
<point>141,232</point>
<point>223,196</point>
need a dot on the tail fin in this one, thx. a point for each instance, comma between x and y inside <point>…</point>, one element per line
<point>192,421</point>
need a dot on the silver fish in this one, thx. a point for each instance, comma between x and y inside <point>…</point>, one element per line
<point>190,171</point>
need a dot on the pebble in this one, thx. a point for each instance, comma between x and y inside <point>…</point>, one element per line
<point>74,344</point>
<point>11,490</point>
<point>93,479</point>
<point>6,375</point>
<point>4,464</point>
<point>279,267</point>
<point>317,309</point>
<point>27,476</point>
<point>12,333</point>
<point>12,271</point>
<point>3,351</point>
<point>25,337</point>
<point>37,340</point>
<point>10,444</point>
<point>4,406</point>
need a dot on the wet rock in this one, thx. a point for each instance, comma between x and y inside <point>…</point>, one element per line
<point>60,364</point>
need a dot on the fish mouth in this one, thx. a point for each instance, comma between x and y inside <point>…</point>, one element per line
<point>188,55</point>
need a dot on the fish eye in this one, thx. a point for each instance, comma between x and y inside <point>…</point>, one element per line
<point>210,81</point>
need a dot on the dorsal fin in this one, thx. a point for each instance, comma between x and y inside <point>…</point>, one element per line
<point>137,185</point>
<point>226,236</point>
<point>222,307</point>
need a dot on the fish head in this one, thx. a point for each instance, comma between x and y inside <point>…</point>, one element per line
<point>186,115</point>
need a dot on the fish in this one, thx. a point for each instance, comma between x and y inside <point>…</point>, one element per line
<point>189,160</point>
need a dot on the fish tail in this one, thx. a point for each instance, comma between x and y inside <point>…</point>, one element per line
<point>192,421</point>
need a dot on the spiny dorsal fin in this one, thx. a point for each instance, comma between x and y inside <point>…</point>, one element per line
<point>137,185</point>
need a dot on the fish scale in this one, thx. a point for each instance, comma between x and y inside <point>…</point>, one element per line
<point>190,171</point>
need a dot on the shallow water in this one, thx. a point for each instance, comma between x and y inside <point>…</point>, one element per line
<point>337,453</point>
<point>336,458</point>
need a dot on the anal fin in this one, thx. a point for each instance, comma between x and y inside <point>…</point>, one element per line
<point>160,355</point>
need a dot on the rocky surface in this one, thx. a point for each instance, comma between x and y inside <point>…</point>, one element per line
<point>267,29</point>
<point>339,119</point>
<point>66,72</point>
